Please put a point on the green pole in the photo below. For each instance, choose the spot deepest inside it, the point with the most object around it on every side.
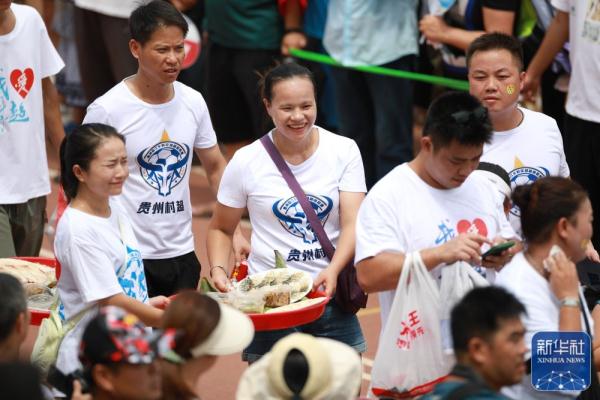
(435, 80)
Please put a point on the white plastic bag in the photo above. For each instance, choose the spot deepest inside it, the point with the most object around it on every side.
(410, 360)
(456, 280)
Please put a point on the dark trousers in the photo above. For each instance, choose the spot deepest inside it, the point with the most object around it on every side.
(22, 228)
(170, 275)
(582, 148)
(103, 51)
(376, 111)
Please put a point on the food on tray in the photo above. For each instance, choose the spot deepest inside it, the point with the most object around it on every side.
(297, 306)
(299, 282)
(277, 299)
(42, 301)
(29, 272)
(32, 289)
(249, 303)
(222, 297)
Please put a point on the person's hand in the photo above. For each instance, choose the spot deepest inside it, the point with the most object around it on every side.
(328, 279)
(499, 261)
(464, 247)
(433, 28)
(292, 40)
(564, 281)
(241, 247)
(77, 395)
(219, 279)
(531, 85)
(159, 302)
(591, 252)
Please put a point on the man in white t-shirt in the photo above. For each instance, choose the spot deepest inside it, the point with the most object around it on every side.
(527, 144)
(433, 204)
(163, 121)
(28, 113)
(577, 21)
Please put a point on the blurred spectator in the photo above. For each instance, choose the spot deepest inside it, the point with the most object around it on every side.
(374, 110)
(306, 32)
(244, 41)
(578, 22)
(301, 366)
(525, 143)
(207, 329)
(29, 109)
(453, 29)
(488, 345)
(556, 217)
(101, 35)
(555, 80)
(119, 357)
(14, 318)
(68, 81)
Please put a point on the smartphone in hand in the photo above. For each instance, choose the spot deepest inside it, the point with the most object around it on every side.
(498, 249)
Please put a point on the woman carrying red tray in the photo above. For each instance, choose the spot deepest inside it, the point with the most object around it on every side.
(329, 169)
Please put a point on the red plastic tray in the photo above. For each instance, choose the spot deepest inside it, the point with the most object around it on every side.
(290, 319)
(38, 315)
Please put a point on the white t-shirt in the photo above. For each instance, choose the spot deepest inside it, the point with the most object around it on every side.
(99, 258)
(278, 223)
(26, 57)
(112, 8)
(543, 308)
(160, 139)
(532, 150)
(584, 39)
(402, 214)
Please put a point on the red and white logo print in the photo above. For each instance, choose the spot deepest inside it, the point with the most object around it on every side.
(22, 81)
(475, 226)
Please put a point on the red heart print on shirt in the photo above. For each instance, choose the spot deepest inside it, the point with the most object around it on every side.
(476, 226)
(22, 81)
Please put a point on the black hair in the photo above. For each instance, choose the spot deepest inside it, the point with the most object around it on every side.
(283, 72)
(495, 169)
(544, 202)
(14, 303)
(497, 41)
(457, 116)
(295, 372)
(79, 148)
(480, 313)
(147, 18)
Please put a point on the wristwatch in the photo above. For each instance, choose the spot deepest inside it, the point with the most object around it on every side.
(570, 302)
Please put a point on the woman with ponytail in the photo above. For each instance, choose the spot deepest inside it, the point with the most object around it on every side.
(95, 245)
(556, 218)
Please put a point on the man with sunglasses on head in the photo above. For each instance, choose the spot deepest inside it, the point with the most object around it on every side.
(433, 204)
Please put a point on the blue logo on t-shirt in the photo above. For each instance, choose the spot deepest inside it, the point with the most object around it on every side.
(133, 279)
(292, 217)
(163, 166)
(560, 361)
